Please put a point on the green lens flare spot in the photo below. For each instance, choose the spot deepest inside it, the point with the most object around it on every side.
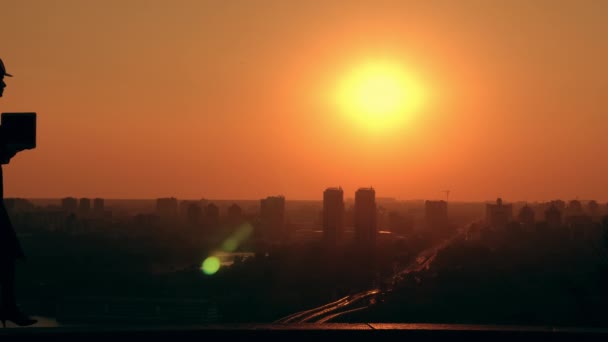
(230, 245)
(243, 232)
(211, 265)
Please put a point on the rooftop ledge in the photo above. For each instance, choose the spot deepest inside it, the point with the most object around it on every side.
(414, 331)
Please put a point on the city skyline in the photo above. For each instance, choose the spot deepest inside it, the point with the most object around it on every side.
(347, 197)
(318, 199)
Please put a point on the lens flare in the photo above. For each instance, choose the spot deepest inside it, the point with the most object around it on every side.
(230, 245)
(211, 265)
(241, 234)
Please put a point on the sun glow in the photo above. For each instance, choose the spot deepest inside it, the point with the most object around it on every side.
(380, 95)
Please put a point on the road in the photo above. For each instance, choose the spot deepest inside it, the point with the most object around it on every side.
(364, 299)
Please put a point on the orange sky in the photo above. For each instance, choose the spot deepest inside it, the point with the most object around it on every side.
(227, 99)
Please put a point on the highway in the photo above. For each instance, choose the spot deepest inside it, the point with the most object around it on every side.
(364, 299)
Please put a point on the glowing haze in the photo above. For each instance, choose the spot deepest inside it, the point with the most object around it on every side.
(244, 99)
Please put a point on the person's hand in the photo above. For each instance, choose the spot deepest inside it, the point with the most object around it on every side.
(9, 151)
(17, 147)
(12, 149)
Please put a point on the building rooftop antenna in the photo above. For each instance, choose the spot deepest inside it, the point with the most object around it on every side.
(447, 195)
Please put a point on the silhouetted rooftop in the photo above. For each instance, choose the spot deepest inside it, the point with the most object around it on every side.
(334, 331)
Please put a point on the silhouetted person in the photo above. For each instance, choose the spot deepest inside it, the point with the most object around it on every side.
(10, 248)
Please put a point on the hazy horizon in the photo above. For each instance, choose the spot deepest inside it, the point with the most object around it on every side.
(346, 198)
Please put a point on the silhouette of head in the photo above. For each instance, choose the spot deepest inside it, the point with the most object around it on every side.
(7, 151)
(2, 74)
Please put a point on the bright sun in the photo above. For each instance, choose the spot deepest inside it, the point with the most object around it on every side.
(379, 95)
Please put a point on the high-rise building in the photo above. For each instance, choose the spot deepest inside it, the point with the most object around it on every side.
(574, 208)
(194, 214)
(575, 205)
(212, 216)
(559, 204)
(553, 216)
(526, 217)
(18, 204)
(183, 207)
(499, 215)
(365, 216)
(84, 206)
(436, 215)
(333, 215)
(166, 207)
(69, 204)
(235, 213)
(98, 205)
(272, 217)
(593, 208)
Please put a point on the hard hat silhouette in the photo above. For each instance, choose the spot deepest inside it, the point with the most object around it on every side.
(3, 70)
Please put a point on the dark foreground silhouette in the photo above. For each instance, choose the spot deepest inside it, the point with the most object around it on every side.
(10, 248)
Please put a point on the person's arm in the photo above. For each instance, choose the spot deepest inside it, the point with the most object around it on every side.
(1, 185)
